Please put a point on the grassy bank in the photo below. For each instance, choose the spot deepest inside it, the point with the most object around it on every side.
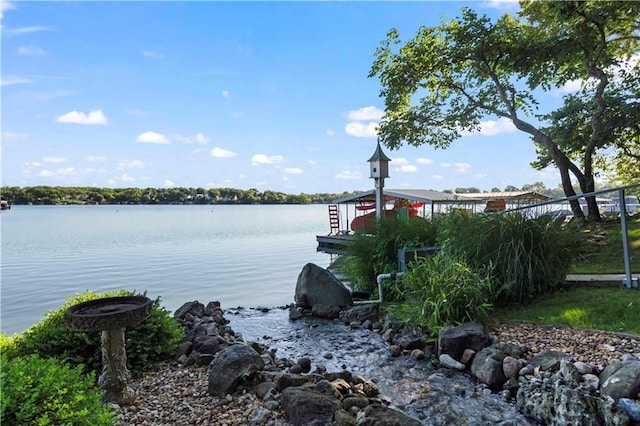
(603, 308)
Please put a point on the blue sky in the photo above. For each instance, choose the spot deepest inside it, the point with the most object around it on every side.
(266, 95)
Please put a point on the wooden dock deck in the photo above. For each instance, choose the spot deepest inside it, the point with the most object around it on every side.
(333, 244)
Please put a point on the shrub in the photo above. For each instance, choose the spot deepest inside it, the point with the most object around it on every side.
(374, 250)
(149, 343)
(531, 256)
(40, 391)
(442, 291)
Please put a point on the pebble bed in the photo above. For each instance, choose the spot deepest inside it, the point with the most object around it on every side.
(176, 395)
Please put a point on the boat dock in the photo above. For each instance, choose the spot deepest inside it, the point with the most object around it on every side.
(333, 244)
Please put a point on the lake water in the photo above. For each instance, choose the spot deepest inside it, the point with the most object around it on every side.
(240, 255)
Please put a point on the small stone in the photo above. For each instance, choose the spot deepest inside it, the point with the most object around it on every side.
(448, 362)
(395, 350)
(417, 354)
(631, 407)
(327, 355)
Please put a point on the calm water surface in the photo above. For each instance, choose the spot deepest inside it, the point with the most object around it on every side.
(241, 255)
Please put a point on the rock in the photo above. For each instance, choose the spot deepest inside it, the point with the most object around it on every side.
(295, 314)
(286, 380)
(195, 309)
(591, 382)
(318, 286)
(556, 400)
(467, 356)
(454, 340)
(510, 367)
(325, 387)
(548, 360)
(359, 313)
(448, 362)
(621, 379)
(325, 311)
(231, 365)
(343, 418)
(295, 369)
(262, 389)
(417, 354)
(631, 407)
(341, 385)
(395, 350)
(260, 416)
(512, 349)
(305, 406)
(583, 368)
(378, 415)
(305, 363)
(487, 366)
(354, 401)
(410, 338)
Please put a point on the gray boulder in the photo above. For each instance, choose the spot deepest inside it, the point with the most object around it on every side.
(232, 364)
(548, 360)
(325, 311)
(360, 313)
(487, 366)
(557, 399)
(306, 406)
(621, 380)
(318, 286)
(454, 340)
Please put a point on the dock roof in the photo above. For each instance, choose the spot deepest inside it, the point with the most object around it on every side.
(430, 196)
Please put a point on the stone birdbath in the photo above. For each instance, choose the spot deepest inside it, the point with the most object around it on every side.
(111, 316)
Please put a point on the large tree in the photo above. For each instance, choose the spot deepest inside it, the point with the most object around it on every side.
(450, 77)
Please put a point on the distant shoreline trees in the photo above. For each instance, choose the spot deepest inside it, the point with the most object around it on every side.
(65, 195)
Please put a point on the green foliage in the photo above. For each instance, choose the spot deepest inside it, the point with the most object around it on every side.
(148, 343)
(441, 291)
(530, 255)
(375, 250)
(38, 391)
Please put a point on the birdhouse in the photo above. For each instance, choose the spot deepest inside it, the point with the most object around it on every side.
(379, 164)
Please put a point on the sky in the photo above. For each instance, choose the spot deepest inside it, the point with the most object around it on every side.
(265, 95)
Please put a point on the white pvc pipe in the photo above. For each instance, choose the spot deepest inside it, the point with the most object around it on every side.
(379, 279)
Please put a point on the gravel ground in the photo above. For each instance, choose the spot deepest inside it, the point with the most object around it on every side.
(178, 395)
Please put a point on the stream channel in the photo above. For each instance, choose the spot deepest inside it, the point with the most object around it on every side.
(420, 389)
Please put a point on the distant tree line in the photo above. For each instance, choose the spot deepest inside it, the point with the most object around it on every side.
(49, 195)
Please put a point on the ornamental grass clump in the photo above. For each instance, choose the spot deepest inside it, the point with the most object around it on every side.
(149, 343)
(41, 391)
(442, 290)
(530, 256)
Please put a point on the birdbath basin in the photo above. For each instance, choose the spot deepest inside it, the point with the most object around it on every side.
(111, 316)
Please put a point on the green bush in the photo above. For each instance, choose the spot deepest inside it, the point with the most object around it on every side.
(38, 391)
(442, 291)
(531, 256)
(149, 343)
(374, 250)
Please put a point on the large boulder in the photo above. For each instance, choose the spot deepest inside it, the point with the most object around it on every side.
(621, 380)
(318, 286)
(557, 398)
(454, 340)
(232, 364)
(305, 406)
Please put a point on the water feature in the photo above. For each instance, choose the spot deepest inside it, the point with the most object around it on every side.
(433, 395)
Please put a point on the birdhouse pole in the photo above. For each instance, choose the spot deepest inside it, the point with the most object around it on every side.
(379, 168)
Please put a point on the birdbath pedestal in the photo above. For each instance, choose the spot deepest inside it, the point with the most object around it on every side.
(111, 316)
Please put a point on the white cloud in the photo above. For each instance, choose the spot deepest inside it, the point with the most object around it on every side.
(169, 183)
(10, 136)
(199, 138)
(126, 178)
(129, 164)
(152, 137)
(361, 130)
(501, 4)
(462, 167)
(330, 132)
(30, 50)
(445, 165)
(222, 153)
(96, 158)
(54, 159)
(348, 175)
(437, 176)
(4, 6)
(47, 173)
(225, 94)
(407, 168)
(25, 30)
(493, 127)
(293, 170)
(66, 171)
(34, 164)
(365, 114)
(95, 117)
(89, 170)
(312, 162)
(266, 159)
(424, 161)
(152, 54)
(10, 80)
(400, 161)
(571, 86)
